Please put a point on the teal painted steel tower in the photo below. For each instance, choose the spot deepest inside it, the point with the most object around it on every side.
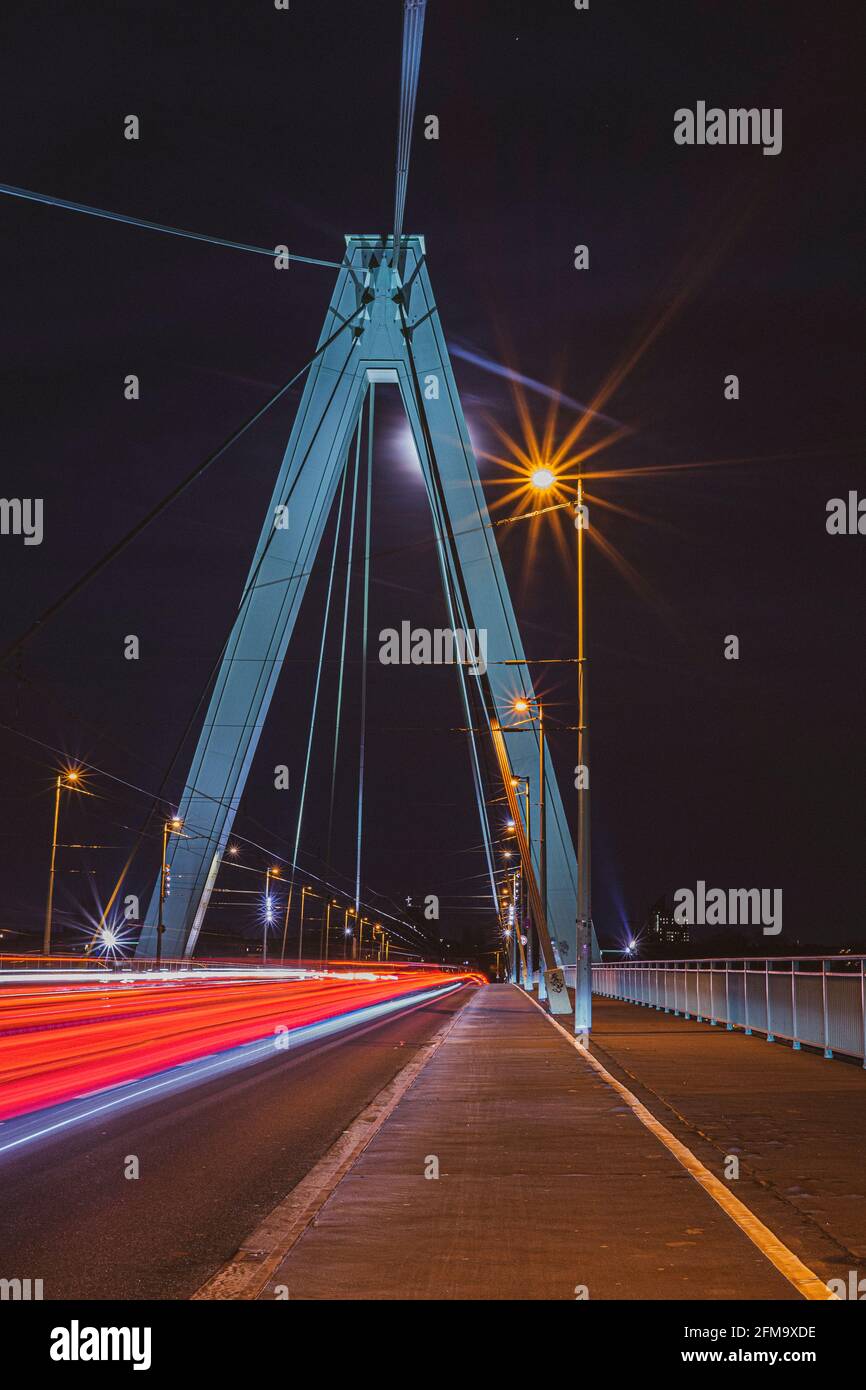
(382, 326)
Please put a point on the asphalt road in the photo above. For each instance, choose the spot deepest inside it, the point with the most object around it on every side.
(213, 1160)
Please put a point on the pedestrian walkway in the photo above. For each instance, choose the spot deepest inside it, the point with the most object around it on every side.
(513, 1168)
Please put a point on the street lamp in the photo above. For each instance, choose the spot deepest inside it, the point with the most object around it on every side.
(347, 932)
(524, 706)
(521, 786)
(324, 956)
(305, 891)
(69, 780)
(172, 826)
(269, 910)
(543, 479)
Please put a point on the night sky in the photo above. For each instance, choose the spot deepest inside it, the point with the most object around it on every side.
(556, 128)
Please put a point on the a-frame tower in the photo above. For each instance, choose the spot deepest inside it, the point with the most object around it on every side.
(383, 325)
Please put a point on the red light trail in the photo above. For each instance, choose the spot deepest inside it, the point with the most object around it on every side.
(60, 1041)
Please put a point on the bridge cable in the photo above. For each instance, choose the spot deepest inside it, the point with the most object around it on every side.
(455, 590)
(413, 35)
(325, 625)
(67, 206)
(364, 646)
(165, 502)
(339, 714)
(250, 586)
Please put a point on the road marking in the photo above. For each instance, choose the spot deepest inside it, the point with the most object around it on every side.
(249, 1271)
(804, 1280)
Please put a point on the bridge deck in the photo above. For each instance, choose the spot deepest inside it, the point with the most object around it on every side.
(547, 1181)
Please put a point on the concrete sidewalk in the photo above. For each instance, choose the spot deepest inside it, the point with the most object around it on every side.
(547, 1182)
(795, 1120)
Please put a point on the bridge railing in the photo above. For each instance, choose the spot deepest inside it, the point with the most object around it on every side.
(813, 1001)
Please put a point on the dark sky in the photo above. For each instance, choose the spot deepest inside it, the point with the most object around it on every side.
(556, 128)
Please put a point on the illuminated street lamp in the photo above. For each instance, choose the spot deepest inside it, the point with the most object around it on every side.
(347, 932)
(542, 479)
(524, 706)
(68, 780)
(305, 892)
(269, 910)
(521, 786)
(172, 826)
(327, 934)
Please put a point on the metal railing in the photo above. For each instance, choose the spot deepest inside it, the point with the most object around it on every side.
(813, 1001)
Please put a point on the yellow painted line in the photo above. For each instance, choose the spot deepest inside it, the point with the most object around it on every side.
(804, 1280)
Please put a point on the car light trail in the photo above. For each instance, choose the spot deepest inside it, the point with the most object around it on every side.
(61, 1041)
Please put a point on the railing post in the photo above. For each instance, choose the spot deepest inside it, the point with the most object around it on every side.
(795, 1023)
(770, 1037)
(729, 1026)
(746, 997)
(827, 1049)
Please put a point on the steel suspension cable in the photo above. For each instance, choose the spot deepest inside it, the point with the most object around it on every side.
(166, 501)
(325, 625)
(339, 715)
(413, 35)
(364, 646)
(68, 206)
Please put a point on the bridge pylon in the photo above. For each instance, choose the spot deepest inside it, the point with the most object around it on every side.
(391, 333)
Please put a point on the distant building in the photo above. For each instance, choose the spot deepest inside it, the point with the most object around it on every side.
(661, 930)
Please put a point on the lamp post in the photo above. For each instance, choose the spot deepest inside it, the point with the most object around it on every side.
(173, 825)
(522, 786)
(68, 780)
(524, 706)
(583, 964)
(361, 936)
(324, 954)
(542, 479)
(269, 910)
(304, 892)
(350, 912)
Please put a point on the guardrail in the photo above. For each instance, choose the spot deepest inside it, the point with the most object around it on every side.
(813, 1001)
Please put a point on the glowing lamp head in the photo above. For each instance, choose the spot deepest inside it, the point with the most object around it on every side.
(72, 776)
(176, 823)
(521, 706)
(542, 479)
